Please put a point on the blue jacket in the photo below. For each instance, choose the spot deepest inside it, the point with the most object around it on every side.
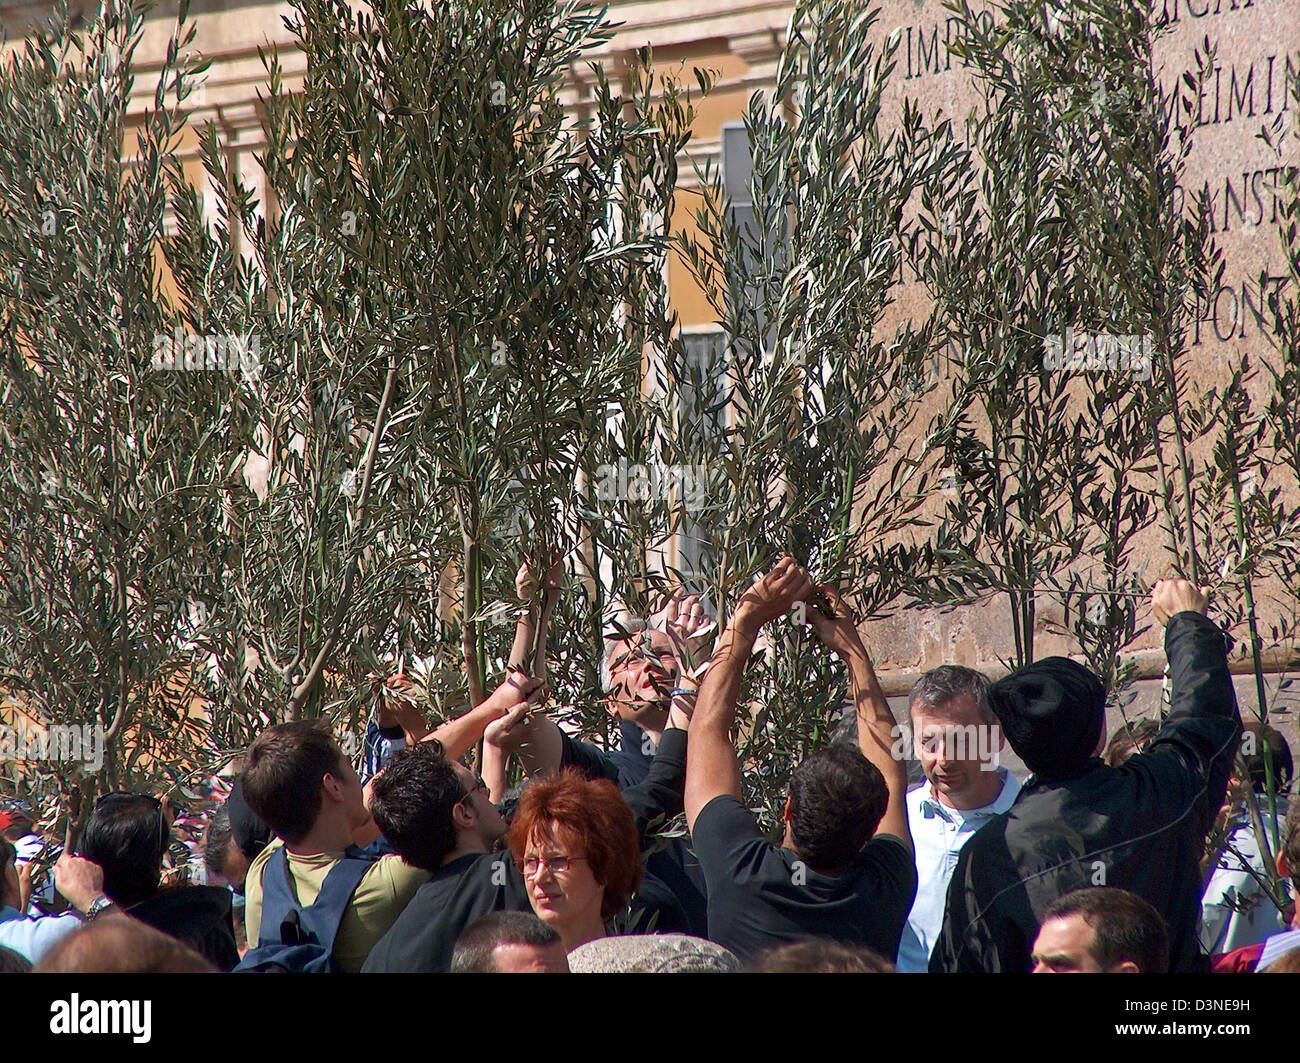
(33, 938)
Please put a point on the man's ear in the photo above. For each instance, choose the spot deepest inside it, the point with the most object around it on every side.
(1283, 865)
(332, 787)
(788, 814)
(462, 815)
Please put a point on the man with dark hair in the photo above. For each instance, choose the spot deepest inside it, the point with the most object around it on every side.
(956, 737)
(299, 782)
(509, 943)
(1101, 930)
(235, 838)
(1078, 822)
(844, 870)
(127, 835)
(438, 815)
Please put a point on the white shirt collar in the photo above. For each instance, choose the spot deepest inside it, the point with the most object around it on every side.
(932, 806)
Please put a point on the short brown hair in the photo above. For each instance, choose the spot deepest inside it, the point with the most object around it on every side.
(1125, 926)
(283, 773)
(822, 956)
(593, 811)
(118, 944)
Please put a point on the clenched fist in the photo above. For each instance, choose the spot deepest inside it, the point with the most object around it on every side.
(1170, 597)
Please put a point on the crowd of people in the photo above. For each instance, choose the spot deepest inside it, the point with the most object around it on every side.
(1143, 853)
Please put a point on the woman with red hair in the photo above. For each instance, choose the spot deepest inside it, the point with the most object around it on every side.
(575, 841)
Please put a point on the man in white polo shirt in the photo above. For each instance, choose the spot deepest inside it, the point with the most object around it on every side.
(956, 737)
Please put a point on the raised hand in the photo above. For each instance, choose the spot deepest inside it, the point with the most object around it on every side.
(840, 632)
(1170, 597)
(689, 629)
(516, 688)
(512, 730)
(527, 584)
(78, 879)
(772, 595)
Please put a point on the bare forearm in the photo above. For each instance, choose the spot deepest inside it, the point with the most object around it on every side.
(458, 736)
(526, 634)
(494, 771)
(876, 724)
(876, 734)
(542, 753)
(523, 641)
(544, 638)
(715, 704)
(712, 767)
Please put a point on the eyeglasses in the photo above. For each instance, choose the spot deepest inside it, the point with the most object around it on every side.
(530, 866)
(480, 785)
(126, 797)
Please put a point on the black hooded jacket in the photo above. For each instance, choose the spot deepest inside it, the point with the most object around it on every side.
(1141, 826)
(199, 916)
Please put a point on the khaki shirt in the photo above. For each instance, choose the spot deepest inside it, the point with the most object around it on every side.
(384, 891)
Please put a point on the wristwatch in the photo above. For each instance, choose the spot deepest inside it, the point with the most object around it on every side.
(97, 907)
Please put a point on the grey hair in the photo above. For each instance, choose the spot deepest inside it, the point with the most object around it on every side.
(632, 625)
(940, 685)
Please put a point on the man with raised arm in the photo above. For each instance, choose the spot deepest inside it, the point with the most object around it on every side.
(844, 869)
(302, 786)
(439, 816)
(647, 673)
(1079, 822)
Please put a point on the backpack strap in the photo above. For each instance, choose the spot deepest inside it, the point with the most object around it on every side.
(286, 920)
(278, 898)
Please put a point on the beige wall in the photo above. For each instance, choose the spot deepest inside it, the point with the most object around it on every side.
(740, 42)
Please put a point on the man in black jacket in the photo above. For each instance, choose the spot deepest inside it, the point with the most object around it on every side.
(127, 835)
(1080, 823)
